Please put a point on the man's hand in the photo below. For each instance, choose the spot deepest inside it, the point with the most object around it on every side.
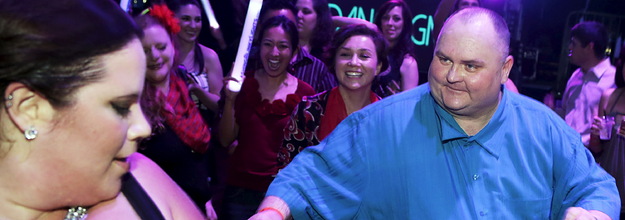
(578, 213)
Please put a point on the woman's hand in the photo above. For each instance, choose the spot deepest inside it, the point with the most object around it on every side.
(230, 95)
(621, 130)
(210, 211)
(597, 125)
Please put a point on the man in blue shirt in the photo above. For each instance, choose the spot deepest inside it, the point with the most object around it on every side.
(460, 147)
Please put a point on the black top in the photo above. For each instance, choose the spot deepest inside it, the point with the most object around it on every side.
(190, 170)
(139, 199)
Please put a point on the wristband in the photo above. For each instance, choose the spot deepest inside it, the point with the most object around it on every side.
(272, 209)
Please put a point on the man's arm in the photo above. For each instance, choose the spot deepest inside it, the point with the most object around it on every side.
(581, 187)
(580, 213)
(272, 208)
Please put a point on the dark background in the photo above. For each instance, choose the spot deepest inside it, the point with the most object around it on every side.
(539, 33)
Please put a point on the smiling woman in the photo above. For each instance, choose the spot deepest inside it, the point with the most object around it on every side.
(181, 137)
(256, 116)
(358, 54)
(71, 117)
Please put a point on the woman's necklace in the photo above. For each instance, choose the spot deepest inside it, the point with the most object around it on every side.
(76, 213)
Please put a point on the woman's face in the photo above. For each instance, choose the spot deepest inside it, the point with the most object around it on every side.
(306, 18)
(159, 53)
(190, 19)
(356, 63)
(462, 4)
(81, 158)
(275, 51)
(392, 24)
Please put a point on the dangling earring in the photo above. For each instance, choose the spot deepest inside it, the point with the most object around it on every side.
(30, 133)
(8, 102)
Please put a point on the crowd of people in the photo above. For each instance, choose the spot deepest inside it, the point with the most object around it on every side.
(115, 114)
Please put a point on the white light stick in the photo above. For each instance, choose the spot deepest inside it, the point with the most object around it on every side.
(251, 19)
(124, 4)
(208, 10)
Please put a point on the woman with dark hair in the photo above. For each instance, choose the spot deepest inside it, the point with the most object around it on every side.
(394, 20)
(358, 55)
(612, 151)
(180, 136)
(71, 117)
(256, 116)
(314, 23)
(446, 8)
(201, 63)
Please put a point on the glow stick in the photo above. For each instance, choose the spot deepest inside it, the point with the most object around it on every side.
(251, 19)
(208, 10)
(124, 4)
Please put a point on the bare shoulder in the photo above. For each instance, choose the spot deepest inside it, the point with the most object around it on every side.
(208, 52)
(168, 197)
(409, 60)
(609, 96)
(409, 65)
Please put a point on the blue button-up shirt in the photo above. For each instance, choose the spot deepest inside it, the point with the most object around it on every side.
(406, 158)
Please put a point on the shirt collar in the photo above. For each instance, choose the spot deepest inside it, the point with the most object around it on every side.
(303, 57)
(490, 138)
(601, 68)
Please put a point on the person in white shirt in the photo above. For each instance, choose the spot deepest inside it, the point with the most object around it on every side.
(595, 75)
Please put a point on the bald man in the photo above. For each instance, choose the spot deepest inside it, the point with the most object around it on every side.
(460, 147)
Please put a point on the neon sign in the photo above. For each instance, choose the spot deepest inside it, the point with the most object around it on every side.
(422, 23)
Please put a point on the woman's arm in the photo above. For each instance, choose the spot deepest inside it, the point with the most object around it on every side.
(228, 128)
(409, 73)
(595, 145)
(340, 21)
(212, 67)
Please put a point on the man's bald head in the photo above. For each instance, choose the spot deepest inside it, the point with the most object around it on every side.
(479, 18)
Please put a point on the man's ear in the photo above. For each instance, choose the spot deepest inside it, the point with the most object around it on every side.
(590, 46)
(506, 68)
(27, 108)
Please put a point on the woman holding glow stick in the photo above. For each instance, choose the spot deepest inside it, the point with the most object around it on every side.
(256, 116)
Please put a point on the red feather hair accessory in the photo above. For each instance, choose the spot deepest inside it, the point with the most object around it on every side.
(166, 17)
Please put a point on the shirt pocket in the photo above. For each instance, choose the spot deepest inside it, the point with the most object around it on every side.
(523, 208)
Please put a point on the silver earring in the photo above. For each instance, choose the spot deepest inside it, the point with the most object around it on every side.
(8, 101)
(30, 133)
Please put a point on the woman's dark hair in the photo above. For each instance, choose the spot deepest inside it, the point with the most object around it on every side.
(283, 22)
(619, 63)
(54, 47)
(404, 43)
(381, 45)
(457, 5)
(175, 5)
(271, 5)
(319, 42)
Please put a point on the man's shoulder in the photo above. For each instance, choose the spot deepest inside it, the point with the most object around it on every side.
(403, 103)
(522, 102)
(531, 110)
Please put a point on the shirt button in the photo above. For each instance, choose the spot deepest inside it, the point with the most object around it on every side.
(475, 177)
(482, 213)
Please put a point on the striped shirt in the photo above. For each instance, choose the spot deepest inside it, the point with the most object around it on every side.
(313, 71)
